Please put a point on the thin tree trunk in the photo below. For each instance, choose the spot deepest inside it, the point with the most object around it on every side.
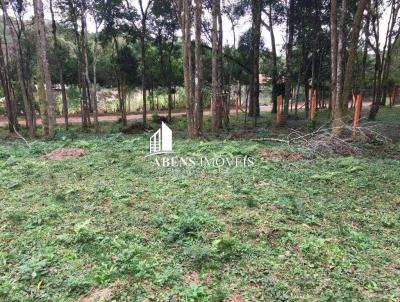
(10, 102)
(59, 68)
(297, 92)
(94, 97)
(185, 20)
(365, 51)
(18, 57)
(221, 75)
(340, 53)
(289, 54)
(85, 48)
(170, 100)
(274, 62)
(256, 36)
(336, 112)
(216, 97)
(198, 102)
(143, 55)
(144, 11)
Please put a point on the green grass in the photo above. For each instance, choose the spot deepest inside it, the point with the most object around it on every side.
(320, 230)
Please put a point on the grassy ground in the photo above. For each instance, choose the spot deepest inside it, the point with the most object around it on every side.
(112, 224)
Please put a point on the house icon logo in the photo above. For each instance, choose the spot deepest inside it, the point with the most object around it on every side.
(161, 141)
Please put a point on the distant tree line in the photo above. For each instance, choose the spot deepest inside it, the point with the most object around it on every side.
(158, 43)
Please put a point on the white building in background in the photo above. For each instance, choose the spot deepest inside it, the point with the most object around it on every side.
(161, 141)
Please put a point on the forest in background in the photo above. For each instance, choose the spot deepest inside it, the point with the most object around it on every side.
(174, 51)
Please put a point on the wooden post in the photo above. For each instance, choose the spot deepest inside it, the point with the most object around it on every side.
(313, 105)
(392, 95)
(356, 114)
(278, 110)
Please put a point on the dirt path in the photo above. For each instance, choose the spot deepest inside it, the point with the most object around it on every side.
(76, 119)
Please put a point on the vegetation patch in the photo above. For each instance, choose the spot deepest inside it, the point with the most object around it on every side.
(112, 225)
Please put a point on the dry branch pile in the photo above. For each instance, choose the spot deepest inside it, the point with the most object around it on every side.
(322, 142)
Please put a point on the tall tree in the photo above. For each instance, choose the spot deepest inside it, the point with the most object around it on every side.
(57, 51)
(341, 51)
(167, 25)
(43, 63)
(198, 100)
(355, 32)
(8, 95)
(382, 56)
(340, 95)
(85, 55)
(336, 110)
(97, 24)
(192, 106)
(17, 50)
(144, 16)
(216, 102)
(274, 72)
(254, 103)
(221, 74)
(289, 56)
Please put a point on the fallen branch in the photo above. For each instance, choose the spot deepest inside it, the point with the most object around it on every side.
(21, 137)
(271, 139)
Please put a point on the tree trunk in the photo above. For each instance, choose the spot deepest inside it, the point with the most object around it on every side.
(185, 21)
(94, 97)
(365, 51)
(170, 100)
(381, 76)
(85, 48)
(289, 54)
(348, 79)
(120, 85)
(59, 68)
(274, 62)
(215, 93)
(20, 73)
(143, 52)
(10, 102)
(336, 112)
(254, 109)
(43, 64)
(297, 92)
(198, 102)
(340, 52)
(221, 75)
(43, 105)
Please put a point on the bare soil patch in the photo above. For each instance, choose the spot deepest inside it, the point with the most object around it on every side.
(64, 153)
(277, 154)
(98, 295)
(235, 298)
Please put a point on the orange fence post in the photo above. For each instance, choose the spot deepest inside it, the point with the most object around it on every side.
(278, 110)
(313, 105)
(356, 114)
